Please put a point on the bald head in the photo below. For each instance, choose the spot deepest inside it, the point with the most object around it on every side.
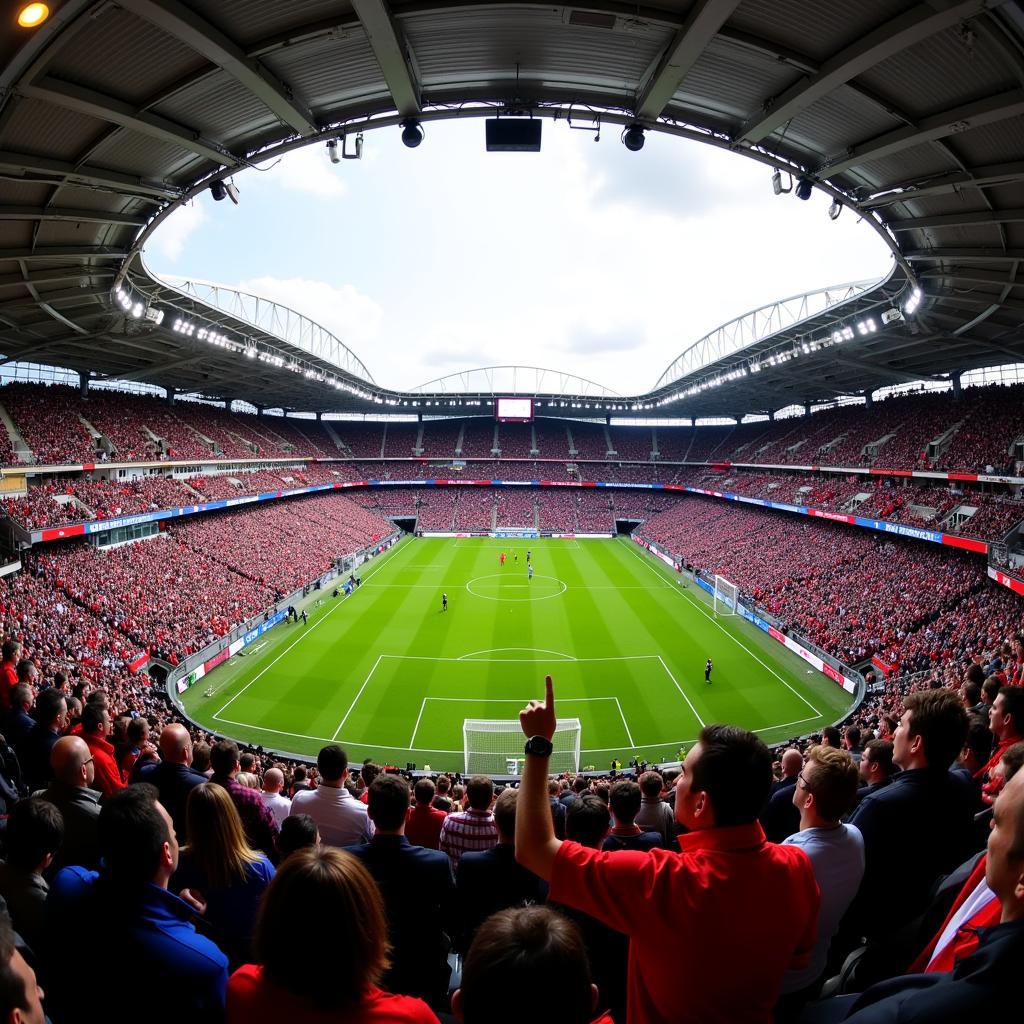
(71, 761)
(792, 762)
(176, 744)
(273, 780)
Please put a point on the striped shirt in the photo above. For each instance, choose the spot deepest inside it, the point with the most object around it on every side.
(466, 832)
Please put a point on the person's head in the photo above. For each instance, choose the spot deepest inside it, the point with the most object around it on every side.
(554, 788)
(444, 784)
(273, 780)
(138, 731)
(175, 744)
(216, 836)
(480, 791)
(27, 671)
(224, 758)
(20, 994)
(1011, 762)
(201, 753)
(332, 763)
(975, 676)
(299, 775)
(246, 761)
(831, 737)
(887, 727)
(792, 763)
(826, 788)
(1004, 866)
(876, 762)
(35, 830)
(388, 802)
(298, 832)
(328, 898)
(932, 730)
(1006, 717)
(587, 820)
(51, 710)
(71, 762)
(505, 815)
(977, 748)
(136, 838)
(517, 954)
(424, 791)
(95, 721)
(21, 696)
(624, 800)
(368, 771)
(12, 650)
(970, 693)
(990, 690)
(580, 785)
(651, 785)
(725, 779)
(851, 738)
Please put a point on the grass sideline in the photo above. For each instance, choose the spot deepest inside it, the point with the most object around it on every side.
(391, 676)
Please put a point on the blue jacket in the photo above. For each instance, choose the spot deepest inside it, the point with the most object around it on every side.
(143, 938)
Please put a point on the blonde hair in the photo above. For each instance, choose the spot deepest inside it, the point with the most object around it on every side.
(216, 838)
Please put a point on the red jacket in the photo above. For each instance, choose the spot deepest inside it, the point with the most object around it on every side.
(423, 826)
(108, 776)
(1001, 748)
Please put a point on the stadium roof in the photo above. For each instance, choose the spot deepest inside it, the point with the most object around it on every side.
(910, 114)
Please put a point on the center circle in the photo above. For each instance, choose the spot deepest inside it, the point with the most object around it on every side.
(540, 588)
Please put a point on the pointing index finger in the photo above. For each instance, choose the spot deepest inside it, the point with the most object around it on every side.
(549, 694)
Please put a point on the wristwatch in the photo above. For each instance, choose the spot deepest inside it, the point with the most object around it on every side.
(538, 746)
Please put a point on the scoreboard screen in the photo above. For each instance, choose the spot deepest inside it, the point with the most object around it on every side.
(513, 410)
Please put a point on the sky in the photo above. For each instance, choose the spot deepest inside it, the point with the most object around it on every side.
(585, 258)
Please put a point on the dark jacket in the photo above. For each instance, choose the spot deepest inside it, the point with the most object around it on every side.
(491, 880)
(174, 782)
(34, 754)
(419, 901)
(80, 809)
(780, 819)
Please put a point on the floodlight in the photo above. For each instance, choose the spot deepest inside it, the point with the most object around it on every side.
(33, 15)
(218, 191)
(232, 192)
(633, 138)
(412, 132)
(332, 151)
(804, 188)
(777, 183)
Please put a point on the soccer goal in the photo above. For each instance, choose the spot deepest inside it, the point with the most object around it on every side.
(492, 746)
(727, 597)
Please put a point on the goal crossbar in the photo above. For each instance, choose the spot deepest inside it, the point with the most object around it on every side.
(494, 746)
(726, 597)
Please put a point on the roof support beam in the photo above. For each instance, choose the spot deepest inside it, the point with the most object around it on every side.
(952, 220)
(938, 126)
(115, 111)
(179, 21)
(150, 372)
(392, 52)
(886, 41)
(23, 165)
(956, 181)
(74, 216)
(690, 41)
(883, 371)
(58, 252)
(52, 276)
(981, 255)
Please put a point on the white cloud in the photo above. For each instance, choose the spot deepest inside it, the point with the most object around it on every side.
(168, 241)
(307, 170)
(352, 317)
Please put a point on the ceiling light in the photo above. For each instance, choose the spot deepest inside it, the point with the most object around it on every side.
(804, 188)
(33, 15)
(633, 138)
(332, 151)
(412, 133)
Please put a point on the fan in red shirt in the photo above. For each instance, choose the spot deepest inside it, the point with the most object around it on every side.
(1006, 720)
(727, 898)
(9, 671)
(423, 824)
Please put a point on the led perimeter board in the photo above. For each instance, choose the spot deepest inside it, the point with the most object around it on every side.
(513, 410)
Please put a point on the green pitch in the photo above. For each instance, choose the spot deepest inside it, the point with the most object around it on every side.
(391, 676)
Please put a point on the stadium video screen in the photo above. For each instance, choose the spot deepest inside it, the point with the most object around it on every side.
(513, 410)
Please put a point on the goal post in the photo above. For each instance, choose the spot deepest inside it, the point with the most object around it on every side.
(726, 597)
(491, 746)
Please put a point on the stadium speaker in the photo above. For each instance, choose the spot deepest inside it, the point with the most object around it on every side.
(513, 135)
(218, 191)
(633, 138)
(412, 133)
(804, 188)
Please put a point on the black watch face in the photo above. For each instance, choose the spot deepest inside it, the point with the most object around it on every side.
(538, 745)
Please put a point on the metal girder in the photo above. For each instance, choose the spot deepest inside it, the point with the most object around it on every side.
(691, 39)
(115, 111)
(392, 53)
(985, 255)
(152, 371)
(179, 21)
(879, 370)
(951, 220)
(74, 216)
(973, 275)
(29, 302)
(929, 129)
(20, 163)
(868, 51)
(954, 181)
(52, 276)
(56, 252)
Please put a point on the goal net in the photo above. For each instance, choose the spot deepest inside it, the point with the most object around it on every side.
(727, 597)
(495, 746)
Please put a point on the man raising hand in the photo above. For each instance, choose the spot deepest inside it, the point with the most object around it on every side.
(731, 911)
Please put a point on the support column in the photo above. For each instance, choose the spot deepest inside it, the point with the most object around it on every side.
(958, 387)
(869, 401)
(83, 384)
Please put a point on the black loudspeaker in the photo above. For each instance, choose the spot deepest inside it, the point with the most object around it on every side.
(513, 135)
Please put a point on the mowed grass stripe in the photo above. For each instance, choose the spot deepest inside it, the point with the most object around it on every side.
(617, 604)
